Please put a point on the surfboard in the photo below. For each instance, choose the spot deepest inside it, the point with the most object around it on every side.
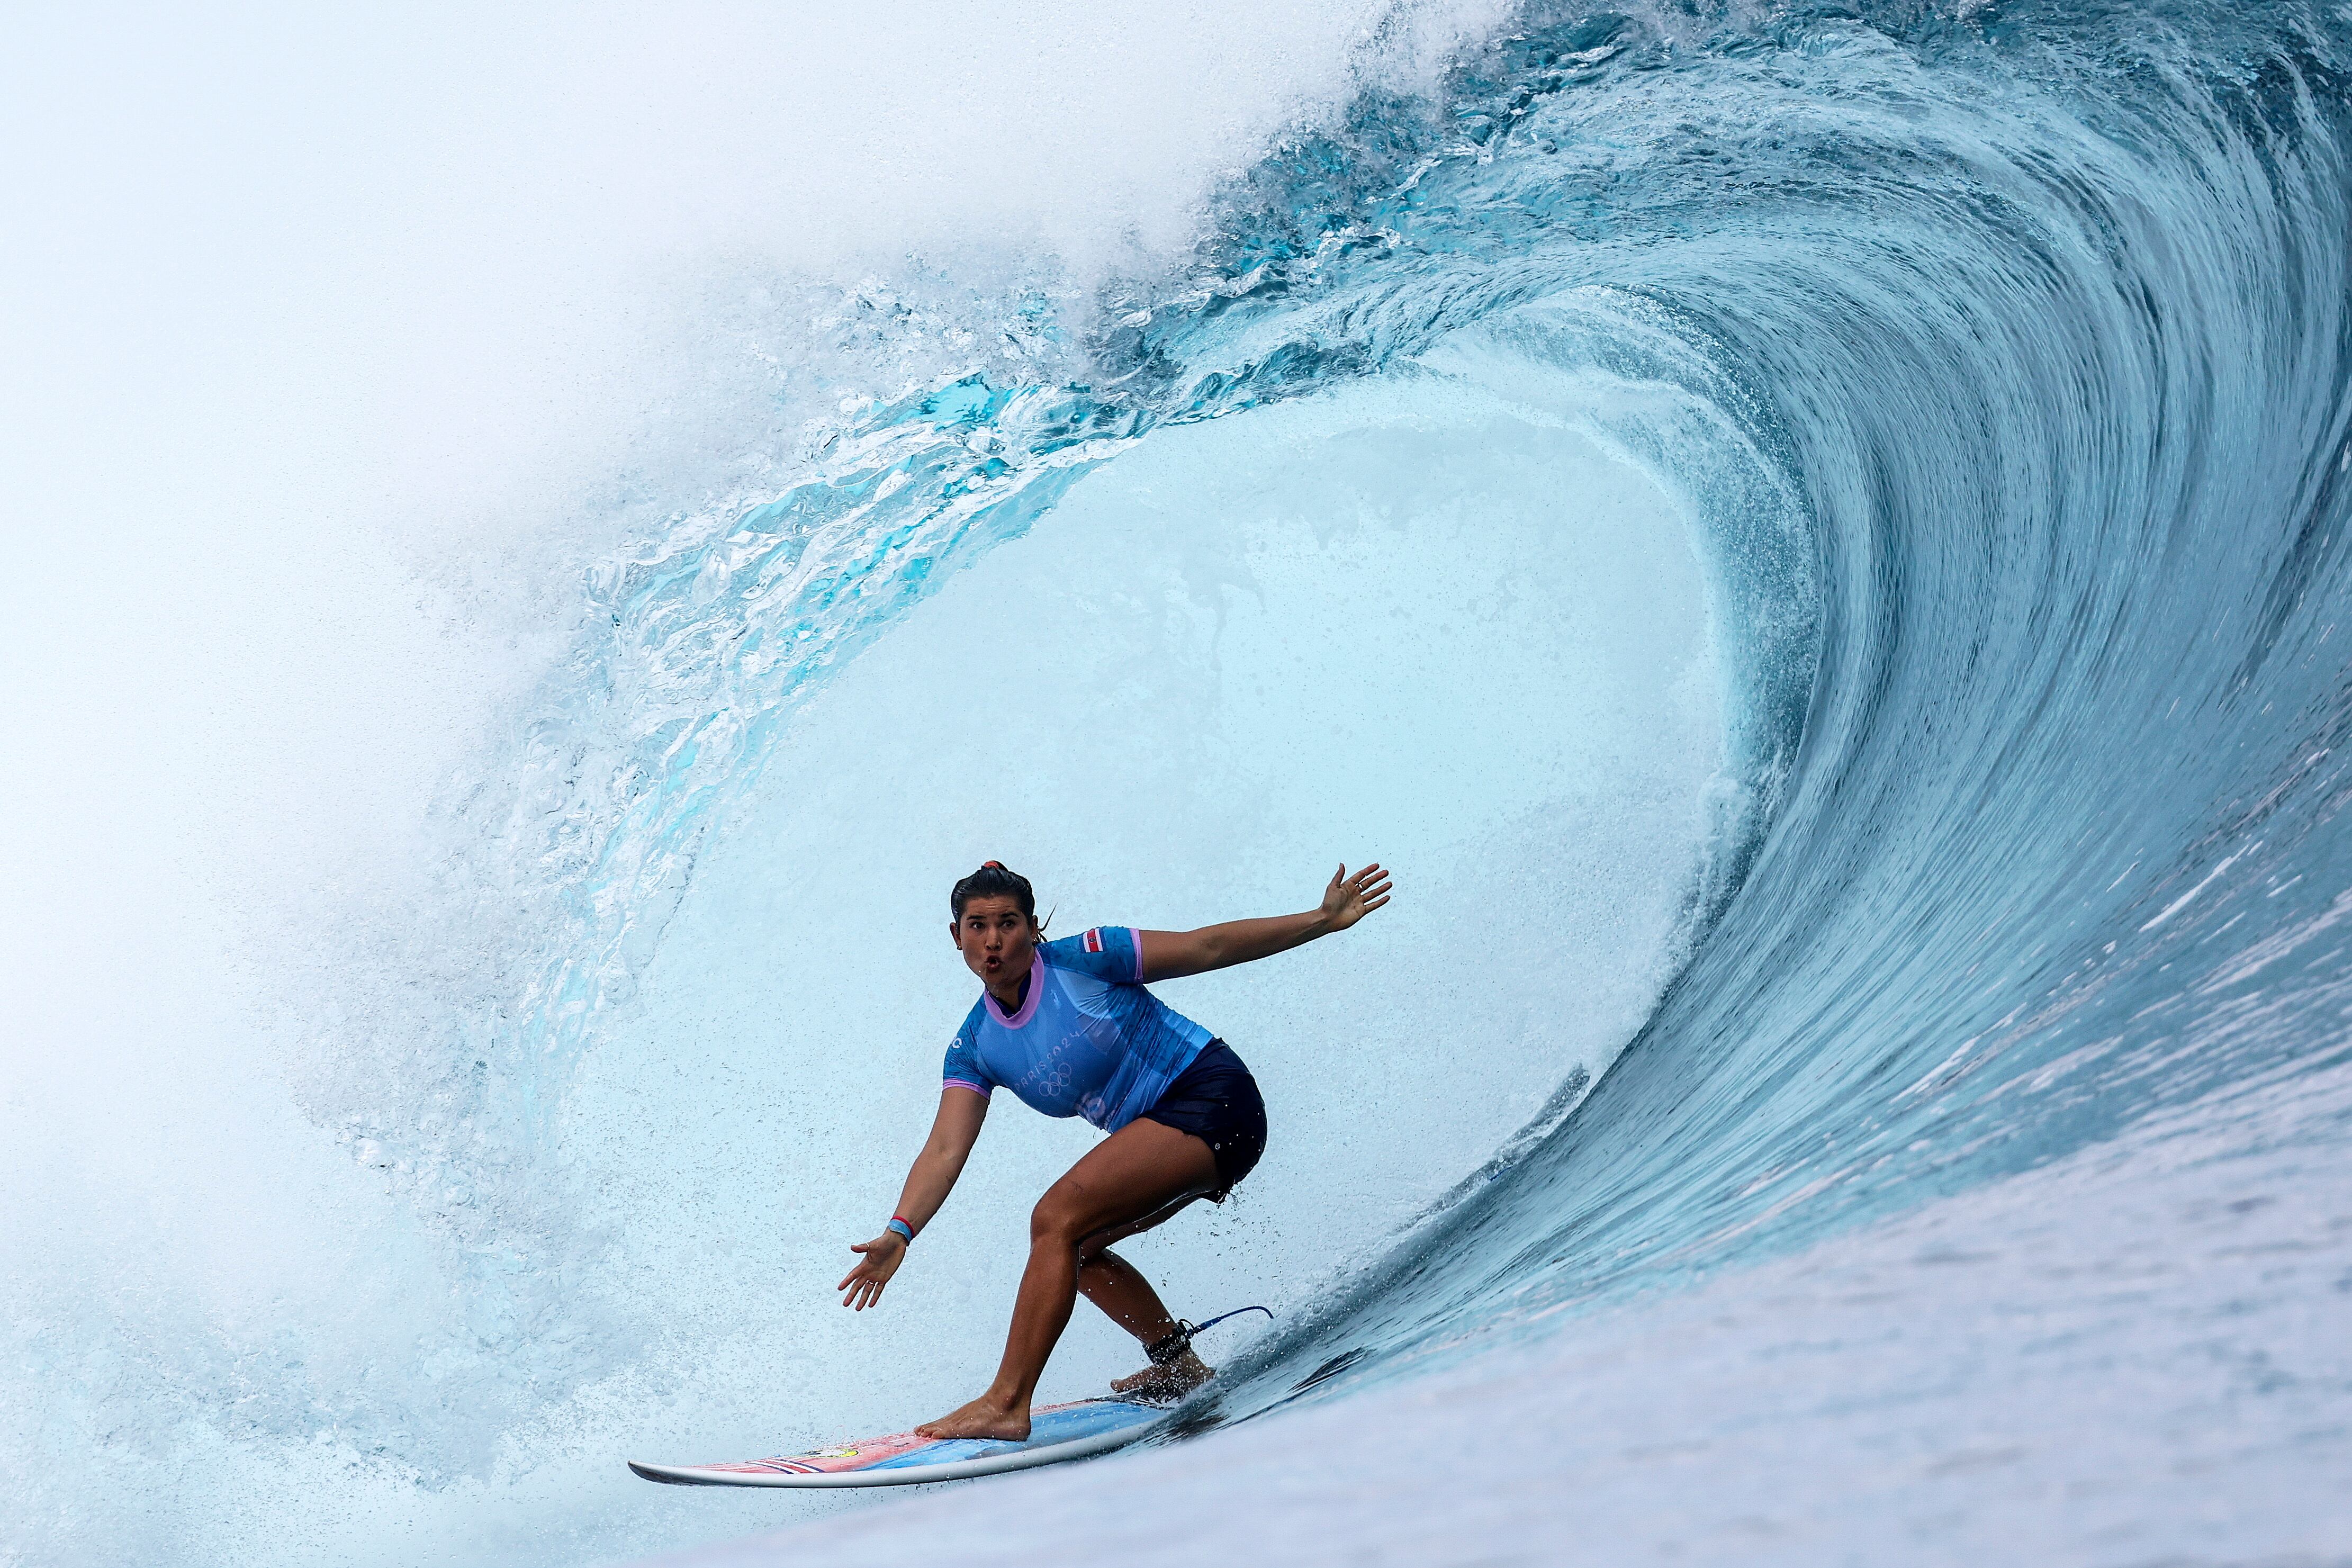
(1057, 1433)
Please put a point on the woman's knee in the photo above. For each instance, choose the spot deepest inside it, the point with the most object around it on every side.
(1057, 1218)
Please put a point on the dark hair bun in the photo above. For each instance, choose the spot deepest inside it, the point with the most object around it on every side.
(993, 881)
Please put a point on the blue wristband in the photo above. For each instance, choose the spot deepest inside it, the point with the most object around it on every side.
(906, 1231)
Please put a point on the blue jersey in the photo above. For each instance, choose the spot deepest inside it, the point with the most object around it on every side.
(1088, 1041)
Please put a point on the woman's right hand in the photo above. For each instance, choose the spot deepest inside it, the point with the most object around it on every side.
(864, 1283)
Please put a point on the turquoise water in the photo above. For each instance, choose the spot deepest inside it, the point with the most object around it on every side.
(1812, 537)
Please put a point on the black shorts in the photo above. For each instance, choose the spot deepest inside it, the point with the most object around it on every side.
(1216, 1100)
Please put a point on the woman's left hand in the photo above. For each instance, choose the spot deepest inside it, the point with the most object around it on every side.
(1349, 899)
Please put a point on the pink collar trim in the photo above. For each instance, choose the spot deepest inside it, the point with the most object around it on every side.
(1028, 1004)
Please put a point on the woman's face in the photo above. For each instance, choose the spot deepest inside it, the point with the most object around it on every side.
(995, 938)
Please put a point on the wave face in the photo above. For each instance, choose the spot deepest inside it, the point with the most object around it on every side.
(1946, 416)
(2043, 317)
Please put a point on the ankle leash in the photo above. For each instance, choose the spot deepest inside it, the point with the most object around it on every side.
(1171, 1346)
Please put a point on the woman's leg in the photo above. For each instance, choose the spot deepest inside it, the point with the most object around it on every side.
(1116, 1286)
(1124, 1295)
(1127, 1299)
(1138, 1171)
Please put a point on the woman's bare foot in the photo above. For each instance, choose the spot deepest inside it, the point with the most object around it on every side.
(1168, 1384)
(983, 1417)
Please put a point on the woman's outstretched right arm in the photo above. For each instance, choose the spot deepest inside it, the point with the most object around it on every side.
(953, 1132)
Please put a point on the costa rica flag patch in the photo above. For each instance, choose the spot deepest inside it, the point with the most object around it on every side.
(1093, 940)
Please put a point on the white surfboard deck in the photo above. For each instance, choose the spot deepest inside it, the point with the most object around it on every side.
(1057, 1433)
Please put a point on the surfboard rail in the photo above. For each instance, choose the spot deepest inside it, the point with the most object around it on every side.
(1058, 1434)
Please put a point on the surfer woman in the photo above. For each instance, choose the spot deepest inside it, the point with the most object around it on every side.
(1068, 1026)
